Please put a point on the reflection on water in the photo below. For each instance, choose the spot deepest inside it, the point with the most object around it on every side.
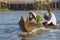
(9, 27)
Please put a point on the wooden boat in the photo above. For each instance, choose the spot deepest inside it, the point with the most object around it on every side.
(27, 26)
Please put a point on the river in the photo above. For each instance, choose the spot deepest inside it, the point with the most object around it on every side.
(9, 27)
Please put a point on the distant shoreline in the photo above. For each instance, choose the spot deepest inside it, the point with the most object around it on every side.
(6, 9)
(23, 10)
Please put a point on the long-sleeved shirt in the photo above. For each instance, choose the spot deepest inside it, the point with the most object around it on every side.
(52, 19)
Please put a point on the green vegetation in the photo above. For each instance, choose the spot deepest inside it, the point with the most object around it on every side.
(39, 19)
(4, 9)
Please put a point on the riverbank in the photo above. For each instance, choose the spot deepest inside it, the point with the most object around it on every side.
(25, 10)
(4, 9)
(7, 10)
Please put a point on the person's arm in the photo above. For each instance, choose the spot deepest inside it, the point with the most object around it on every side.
(50, 20)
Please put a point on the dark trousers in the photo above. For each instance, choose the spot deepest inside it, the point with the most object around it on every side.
(51, 24)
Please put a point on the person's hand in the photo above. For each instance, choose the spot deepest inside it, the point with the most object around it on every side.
(46, 24)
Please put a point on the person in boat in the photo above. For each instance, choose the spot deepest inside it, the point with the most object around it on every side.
(50, 18)
(32, 17)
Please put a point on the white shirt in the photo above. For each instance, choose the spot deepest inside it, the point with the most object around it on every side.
(52, 19)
